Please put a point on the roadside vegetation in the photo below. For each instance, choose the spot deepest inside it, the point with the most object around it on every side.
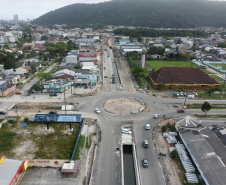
(80, 145)
(6, 138)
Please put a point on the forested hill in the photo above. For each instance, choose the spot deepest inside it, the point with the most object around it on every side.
(145, 13)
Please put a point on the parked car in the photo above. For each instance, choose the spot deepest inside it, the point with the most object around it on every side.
(53, 112)
(145, 143)
(86, 87)
(33, 91)
(2, 113)
(53, 94)
(97, 111)
(156, 116)
(147, 127)
(18, 92)
(181, 93)
(126, 131)
(180, 111)
(145, 163)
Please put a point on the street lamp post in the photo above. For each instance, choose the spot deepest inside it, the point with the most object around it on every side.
(64, 99)
(223, 87)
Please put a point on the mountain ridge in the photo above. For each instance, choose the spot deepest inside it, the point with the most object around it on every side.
(145, 13)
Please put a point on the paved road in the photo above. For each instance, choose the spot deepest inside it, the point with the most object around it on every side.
(107, 168)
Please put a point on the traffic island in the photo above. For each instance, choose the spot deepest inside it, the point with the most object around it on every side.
(123, 106)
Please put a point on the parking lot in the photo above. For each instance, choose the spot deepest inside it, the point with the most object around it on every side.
(44, 176)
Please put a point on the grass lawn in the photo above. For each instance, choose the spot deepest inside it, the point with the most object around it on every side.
(157, 64)
(57, 145)
(6, 139)
(223, 65)
(81, 143)
(213, 106)
(212, 97)
(216, 78)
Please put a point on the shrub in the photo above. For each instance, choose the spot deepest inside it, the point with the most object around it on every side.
(26, 120)
(164, 128)
(174, 154)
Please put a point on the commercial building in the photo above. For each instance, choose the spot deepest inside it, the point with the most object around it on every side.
(206, 147)
(181, 77)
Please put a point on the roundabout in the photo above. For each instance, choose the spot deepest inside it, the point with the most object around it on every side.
(123, 106)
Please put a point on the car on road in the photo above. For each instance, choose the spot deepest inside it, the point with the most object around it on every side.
(105, 76)
(53, 94)
(180, 111)
(126, 131)
(86, 87)
(147, 127)
(2, 113)
(145, 163)
(18, 92)
(97, 110)
(145, 144)
(53, 112)
(156, 116)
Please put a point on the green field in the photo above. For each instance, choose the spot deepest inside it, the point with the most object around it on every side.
(222, 65)
(216, 78)
(157, 64)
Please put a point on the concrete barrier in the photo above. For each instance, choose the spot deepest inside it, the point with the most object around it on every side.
(122, 166)
(136, 166)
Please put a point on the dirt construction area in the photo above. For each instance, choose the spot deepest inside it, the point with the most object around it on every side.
(169, 169)
(122, 106)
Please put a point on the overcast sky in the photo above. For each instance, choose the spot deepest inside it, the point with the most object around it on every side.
(30, 9)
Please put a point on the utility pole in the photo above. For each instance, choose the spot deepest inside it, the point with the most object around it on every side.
(71, 88)
(91, 88)
(88, 132)
(7, 115)
(223, 87)
(64, 99)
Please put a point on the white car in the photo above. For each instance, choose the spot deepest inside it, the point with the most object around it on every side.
(126, 131)
(147, 127)
(97, 111)
(156, 116)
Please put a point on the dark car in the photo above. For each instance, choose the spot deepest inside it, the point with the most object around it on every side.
(53, 94)
(145, 163)
(2, 113)
(53, 112)
(86, 87)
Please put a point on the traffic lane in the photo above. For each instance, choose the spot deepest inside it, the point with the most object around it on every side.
(151, 175)
(107, 161)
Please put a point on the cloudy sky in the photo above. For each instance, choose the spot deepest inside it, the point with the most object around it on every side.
(30, 9)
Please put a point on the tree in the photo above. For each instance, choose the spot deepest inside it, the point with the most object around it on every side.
(44, 37)
(205, 107)
(46, 76)
(209, 91)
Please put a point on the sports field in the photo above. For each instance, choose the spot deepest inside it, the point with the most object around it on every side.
(157, 64)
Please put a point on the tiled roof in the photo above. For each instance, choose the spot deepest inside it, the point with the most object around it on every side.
(181, 75)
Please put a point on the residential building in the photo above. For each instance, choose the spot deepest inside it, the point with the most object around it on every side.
(64, 74)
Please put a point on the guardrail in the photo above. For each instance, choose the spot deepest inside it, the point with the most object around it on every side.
(72, 157)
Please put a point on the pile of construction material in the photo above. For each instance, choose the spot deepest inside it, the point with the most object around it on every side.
(187, 164)
(170, 137)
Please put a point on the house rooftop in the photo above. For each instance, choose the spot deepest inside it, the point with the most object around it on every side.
(181, 75)
(204, 150)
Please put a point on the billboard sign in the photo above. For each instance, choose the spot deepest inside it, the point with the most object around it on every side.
(58, 118)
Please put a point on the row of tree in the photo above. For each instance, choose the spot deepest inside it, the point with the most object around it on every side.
(144, 32)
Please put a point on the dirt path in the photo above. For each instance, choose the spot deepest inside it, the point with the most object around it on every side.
(167, 165)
